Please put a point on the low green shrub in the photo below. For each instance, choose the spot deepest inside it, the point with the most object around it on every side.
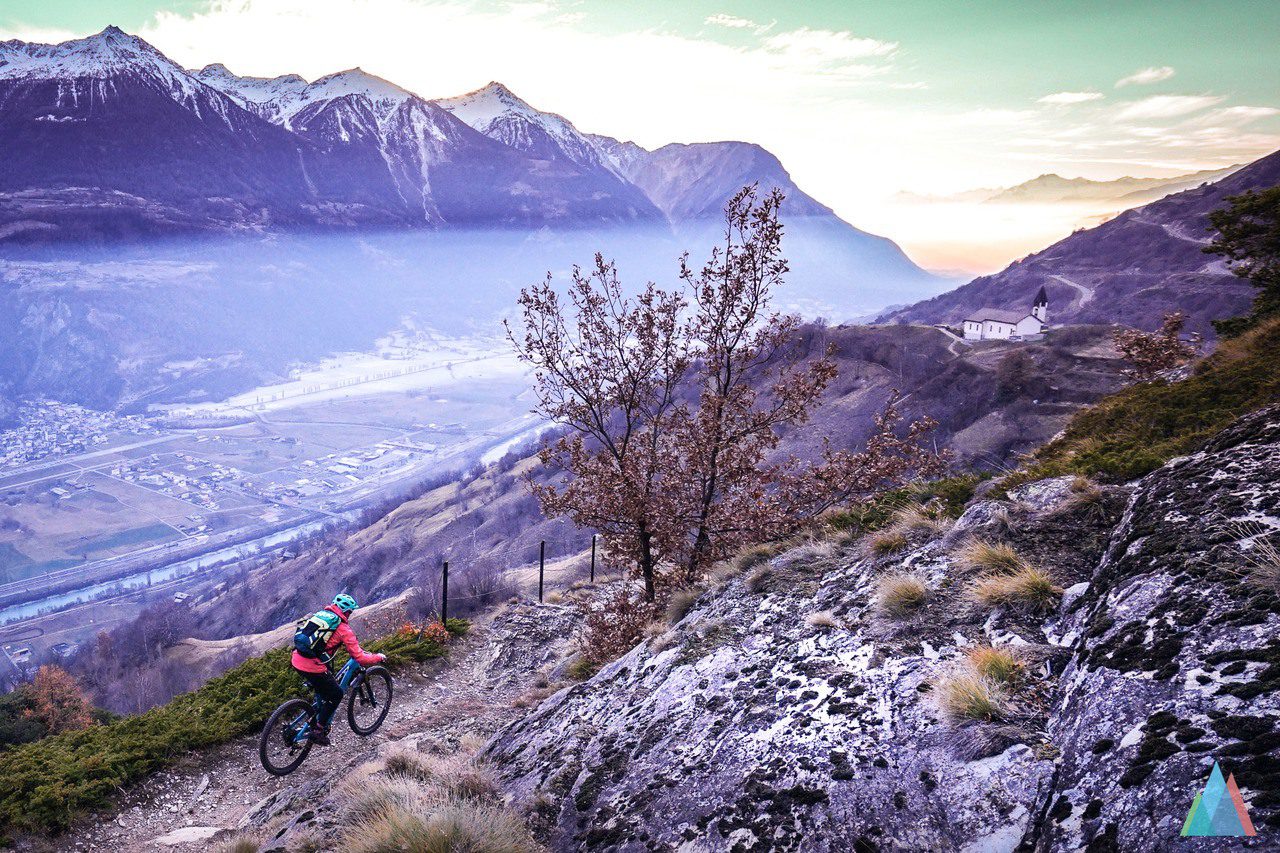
(949, 495)
(49, 783)
(1136, 430)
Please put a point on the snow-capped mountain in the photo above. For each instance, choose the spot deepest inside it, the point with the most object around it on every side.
(500, 114)
(280, 99)
(104, 137)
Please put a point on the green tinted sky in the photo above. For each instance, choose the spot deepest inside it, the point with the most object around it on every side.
(859, 99)
(973, 50)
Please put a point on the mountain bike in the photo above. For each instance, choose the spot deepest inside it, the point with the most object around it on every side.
(285, 740)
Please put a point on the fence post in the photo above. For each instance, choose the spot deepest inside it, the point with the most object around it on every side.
(542, 566)
(444, 594)
(593, 558)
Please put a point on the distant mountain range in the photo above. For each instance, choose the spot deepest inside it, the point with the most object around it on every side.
(1131, 270)
(1051, 188)
(105, 138)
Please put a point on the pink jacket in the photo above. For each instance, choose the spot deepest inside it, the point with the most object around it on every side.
(344, 636)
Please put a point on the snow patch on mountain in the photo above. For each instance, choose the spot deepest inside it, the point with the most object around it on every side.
(281, 99)
(500, 114)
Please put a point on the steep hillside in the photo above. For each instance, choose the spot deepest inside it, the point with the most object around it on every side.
(801, 706)
(993, 402)
(1131, 270)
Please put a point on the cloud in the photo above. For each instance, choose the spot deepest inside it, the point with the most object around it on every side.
(1065, 98)
(733, 22)
(826, 47)
(1146, 76)
(1166, 106)
(1243, 114)
(37, 35)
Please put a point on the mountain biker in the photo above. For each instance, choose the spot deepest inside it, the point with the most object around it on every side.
(316, 672)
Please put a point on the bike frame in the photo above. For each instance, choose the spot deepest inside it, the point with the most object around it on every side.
(345, 677)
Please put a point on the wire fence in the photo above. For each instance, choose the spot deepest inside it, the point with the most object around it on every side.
(565, 568)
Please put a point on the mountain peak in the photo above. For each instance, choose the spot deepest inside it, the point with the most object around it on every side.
(104, 54)
(356, 81)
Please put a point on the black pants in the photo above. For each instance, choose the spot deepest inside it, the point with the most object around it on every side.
(326, 687)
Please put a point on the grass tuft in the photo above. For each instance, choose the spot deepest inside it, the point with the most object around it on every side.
(437, 826)
(680, 603)
(452, 776)
(1028, 588)
(1261, 555)
(240, 844)
(901, 593)
(581, 668)
(822, 619)
(889, 541)
(985, 556)
(964, 696)
(1002, 666)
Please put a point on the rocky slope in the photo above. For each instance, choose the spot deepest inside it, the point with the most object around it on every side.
(755, 724)
(1132, 270)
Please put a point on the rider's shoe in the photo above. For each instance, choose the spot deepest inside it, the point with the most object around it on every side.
(319, 736)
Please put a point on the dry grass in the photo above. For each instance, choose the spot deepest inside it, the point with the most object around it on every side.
(1002, 666)
(986, 556)
(1087, 498)
(921, 522)
(680, 603)
(807, 554)
(439, 826)
(452, 776)
(1027, 588)
(901, 593)
(965, 696)
(822, 619)
(1261, 556)
(240, 844)
(581, 669)
(554, 598)
(756, 555)
(887, 541)
(758, 578)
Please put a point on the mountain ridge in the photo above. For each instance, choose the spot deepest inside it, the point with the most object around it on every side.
(1133, 269)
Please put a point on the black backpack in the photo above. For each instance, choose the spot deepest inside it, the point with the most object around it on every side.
(313, 634)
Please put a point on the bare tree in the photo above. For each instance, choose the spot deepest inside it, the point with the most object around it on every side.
(676, 406)
(608, 367)
(1150, 353)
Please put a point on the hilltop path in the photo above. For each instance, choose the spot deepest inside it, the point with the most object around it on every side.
(468, 696)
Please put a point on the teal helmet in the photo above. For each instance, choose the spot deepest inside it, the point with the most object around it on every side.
(345, 603)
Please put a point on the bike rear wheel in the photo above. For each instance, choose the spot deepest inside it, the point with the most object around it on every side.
(370, 700)
(280, 747)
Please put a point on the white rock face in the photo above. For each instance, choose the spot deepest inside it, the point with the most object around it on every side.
(187, 835)
(748, 729)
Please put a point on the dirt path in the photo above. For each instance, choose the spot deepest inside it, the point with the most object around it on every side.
(438, 705)
(1086, 293)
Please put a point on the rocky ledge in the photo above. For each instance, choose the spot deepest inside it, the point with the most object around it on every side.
(790, 710)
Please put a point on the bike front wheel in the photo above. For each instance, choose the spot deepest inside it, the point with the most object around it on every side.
(370, 700)
(284, 744)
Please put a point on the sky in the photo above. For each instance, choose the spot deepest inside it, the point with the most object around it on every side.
(860, 100)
